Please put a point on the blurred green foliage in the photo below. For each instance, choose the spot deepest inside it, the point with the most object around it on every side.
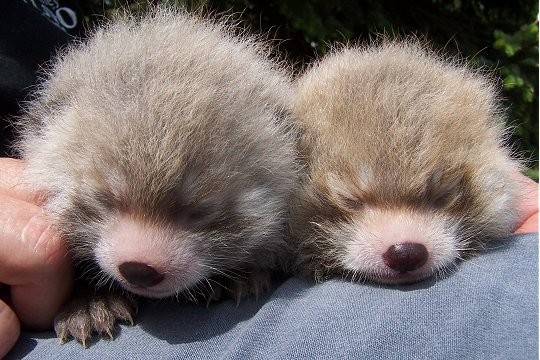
(519, 70)
(498, 35)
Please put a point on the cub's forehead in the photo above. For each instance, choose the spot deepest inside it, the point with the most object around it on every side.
(393, 182)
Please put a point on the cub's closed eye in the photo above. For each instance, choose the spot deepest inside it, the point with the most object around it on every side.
(441, 200)
(190, 214)
(443, 192)
(351, 203)
(110, 201)
(444, 198)
(196, 214)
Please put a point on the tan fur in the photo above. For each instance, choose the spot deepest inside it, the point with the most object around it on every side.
(394, 128)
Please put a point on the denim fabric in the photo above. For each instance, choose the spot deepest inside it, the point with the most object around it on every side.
(486, 309)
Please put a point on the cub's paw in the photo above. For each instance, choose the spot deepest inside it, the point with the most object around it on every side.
(248, 284)
(98, 313)
(253, 284)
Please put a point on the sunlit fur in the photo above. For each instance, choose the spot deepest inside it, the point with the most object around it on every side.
(178, 127)
(400, 145)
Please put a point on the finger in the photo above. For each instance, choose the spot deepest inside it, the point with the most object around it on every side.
(9, 329)
(528, 205)
(33, 262)
(36, 304)
(11, 181)
(21, 225)
(529, 226)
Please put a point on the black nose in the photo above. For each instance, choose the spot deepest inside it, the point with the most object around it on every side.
(140, 274)
(406, 256)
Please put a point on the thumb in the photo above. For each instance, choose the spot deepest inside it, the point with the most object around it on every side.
(10, 328)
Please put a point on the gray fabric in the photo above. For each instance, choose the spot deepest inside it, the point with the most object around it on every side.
(487, 309)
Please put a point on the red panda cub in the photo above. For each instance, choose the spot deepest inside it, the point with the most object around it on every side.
(165, 151)
(406, 167)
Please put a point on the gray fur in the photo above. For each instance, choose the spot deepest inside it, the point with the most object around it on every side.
(165, 118)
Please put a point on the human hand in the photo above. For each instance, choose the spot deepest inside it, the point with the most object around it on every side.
(528, 222)
(33, 260)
